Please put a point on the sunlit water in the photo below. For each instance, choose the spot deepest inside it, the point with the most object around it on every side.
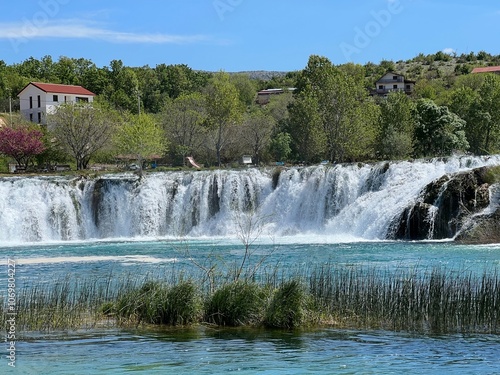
(204, 350)
(222, 352)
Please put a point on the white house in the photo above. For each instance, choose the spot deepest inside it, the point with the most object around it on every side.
(390, 82)
(39, 99)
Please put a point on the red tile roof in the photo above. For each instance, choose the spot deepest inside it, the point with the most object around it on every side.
(62, 89)
(489, 69)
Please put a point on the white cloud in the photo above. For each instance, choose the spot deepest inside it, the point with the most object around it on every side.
(449, 51)
(76, 29)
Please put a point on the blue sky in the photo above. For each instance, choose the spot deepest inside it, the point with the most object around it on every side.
(239, 35)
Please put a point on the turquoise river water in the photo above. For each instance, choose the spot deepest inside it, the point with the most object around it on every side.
(207, 350)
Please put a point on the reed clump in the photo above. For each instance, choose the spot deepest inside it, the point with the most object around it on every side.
(435, 300)
(159, 303)
(289, 306)
(239, 303)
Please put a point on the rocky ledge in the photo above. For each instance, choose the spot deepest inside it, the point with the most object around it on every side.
(456, 206)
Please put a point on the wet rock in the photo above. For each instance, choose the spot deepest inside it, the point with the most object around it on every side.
(483, 229)
(413, 223)
(443, 207)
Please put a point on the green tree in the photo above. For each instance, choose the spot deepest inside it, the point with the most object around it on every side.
(65, 70)
(478, 103)
(344, 110)
(47, 70)
(473, 81)
(246, 87)
(151, 96)
(490, 105)
(306, 128)
(82, 129)
(175, 80)
(278, 108)
(280, 146)
(428, 89)
(31, 68)
(140, 136)
(387, 65)
(466, 103)
(123, 91)
(223, 109)
(437, 130)
(395, 126)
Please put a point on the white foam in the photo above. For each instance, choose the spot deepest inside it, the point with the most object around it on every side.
(340, 203)
(92, 259)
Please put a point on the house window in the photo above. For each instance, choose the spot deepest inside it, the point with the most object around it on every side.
(39, 117)
(395, 78)
(55, 98)
(80, 99)
(408, 87)
(31, 117)
(39, 101)
(395, 87)
(381, 87)
(31, 102)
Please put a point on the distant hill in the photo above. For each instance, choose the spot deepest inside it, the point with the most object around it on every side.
(433, 66)
(262, 75)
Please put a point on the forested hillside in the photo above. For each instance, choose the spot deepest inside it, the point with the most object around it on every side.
(214, 117)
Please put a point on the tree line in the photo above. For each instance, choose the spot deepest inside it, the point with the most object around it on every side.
(172, 111)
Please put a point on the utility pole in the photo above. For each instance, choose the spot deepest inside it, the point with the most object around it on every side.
(10, 106)
(139, 100)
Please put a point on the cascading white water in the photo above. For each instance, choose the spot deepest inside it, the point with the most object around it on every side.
(343, 201)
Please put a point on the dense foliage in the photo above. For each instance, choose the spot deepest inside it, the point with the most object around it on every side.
(215, 118)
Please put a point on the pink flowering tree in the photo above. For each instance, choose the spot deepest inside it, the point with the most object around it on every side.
(21, 144)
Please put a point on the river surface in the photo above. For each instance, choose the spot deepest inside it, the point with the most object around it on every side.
(204, 350)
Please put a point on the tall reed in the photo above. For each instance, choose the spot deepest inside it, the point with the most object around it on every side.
(421, 300)
(431, 301)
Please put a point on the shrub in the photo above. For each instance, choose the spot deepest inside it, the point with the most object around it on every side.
(235, 304)
(139, 304)
(155, 303)
(288, 307)
(182, 305)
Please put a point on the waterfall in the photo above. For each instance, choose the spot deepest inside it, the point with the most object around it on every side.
(358, 201)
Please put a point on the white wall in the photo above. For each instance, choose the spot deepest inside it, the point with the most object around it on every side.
(47, 103)
(26, 111)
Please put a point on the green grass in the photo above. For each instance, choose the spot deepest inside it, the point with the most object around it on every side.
(239, 303)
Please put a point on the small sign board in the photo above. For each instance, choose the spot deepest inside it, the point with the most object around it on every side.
(246, 159)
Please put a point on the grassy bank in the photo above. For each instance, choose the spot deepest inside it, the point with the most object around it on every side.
(430, 301)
